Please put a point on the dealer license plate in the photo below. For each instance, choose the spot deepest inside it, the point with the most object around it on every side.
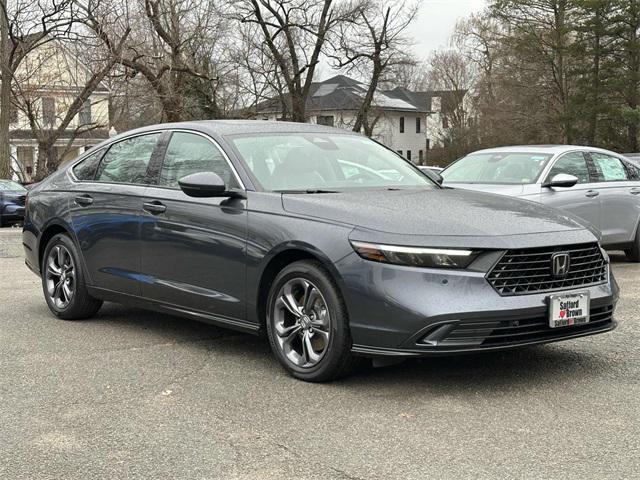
(568, 310)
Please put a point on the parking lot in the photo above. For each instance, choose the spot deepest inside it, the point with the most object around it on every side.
(133, 394)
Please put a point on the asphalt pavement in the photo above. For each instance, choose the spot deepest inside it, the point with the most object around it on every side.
(139, 395)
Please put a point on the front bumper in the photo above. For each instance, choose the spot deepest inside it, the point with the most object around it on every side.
(406, 311)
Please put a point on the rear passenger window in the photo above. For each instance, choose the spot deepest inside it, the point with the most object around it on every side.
(86, 169)
(189, 153)
(610, 169)
(571, 164)
(127, 161)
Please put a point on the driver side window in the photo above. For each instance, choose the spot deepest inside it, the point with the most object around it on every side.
(127, 160)
(189, 153)
(571, 164)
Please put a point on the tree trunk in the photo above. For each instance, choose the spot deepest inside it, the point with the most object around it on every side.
(633, 96)
(362, 118)
(298, 108)
(5, 95)
(592, 131)
(47, 159)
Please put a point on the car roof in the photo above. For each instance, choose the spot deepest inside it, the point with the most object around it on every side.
(239, 127)
(545, 149)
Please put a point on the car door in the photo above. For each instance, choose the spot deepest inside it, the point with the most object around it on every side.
(582, 199)
(106, 211)
(620, 198)
(194, 249)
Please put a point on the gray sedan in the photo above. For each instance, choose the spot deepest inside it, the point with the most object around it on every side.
(600, 186)
(329, 243)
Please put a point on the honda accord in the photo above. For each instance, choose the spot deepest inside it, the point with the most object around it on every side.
(330, 243)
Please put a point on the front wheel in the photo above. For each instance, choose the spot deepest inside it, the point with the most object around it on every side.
(63, 281)
(307, 323)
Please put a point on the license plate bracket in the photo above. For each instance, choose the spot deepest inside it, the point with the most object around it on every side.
(569, 310)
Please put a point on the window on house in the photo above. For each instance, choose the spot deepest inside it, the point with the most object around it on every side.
(420, 156)
(428, 144)
(401, 124)
(49, 110)
(25, 158)
(325, 120)
(85, 113)
(408, 154)
(400, 152)
(418, 124)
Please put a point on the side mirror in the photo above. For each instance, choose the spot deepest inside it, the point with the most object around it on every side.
(562, 180)
(203, 184)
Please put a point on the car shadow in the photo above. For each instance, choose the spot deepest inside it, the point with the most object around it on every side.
(489, 372)
(484, 373)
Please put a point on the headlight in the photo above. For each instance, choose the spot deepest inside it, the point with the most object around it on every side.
(415, 256)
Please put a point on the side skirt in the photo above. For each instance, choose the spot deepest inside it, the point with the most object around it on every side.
(132, 300)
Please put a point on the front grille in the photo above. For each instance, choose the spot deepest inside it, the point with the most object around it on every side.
(526, 271)
(492, 333)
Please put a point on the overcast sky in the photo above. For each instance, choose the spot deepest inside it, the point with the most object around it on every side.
(431, 28)
(436, 20)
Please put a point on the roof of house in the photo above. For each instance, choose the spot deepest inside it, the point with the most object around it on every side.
(344, 93)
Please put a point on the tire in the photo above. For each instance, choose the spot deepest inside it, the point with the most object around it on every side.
(63, 281)
(325, 314)
(633, 254)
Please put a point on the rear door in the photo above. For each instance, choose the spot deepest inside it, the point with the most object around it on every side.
(106, 211)
(194, 249)
(619, 190)
(582, 199)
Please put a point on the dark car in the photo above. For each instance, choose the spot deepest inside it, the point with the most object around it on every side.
(12, 199)
(332, 244)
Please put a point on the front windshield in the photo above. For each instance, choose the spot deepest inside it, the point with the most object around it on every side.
(11, 185)
(329, 162)
(511, 168)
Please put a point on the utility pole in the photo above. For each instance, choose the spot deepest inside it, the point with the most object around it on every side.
(5, 93)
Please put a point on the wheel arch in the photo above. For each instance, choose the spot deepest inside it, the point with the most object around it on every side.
(277, 260)
(52, 229)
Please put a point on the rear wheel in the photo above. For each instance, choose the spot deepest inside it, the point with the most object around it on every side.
(633, 254)
(307, 323)
(63, 281)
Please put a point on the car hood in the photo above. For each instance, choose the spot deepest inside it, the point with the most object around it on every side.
(453, 214)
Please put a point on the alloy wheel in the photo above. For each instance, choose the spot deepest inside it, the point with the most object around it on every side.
(60, 276)
(301, 322)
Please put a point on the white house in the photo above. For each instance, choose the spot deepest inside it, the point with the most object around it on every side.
(407, 121)
(47, 81)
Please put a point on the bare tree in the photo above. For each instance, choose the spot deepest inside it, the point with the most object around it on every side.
(167, 40)
(25, 25)
(372, 44)
(295, 33)
(75, 68)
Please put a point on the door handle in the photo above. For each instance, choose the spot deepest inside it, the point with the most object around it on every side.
(592, 193)
(154, 207)
(635, 191)
(84, 200)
